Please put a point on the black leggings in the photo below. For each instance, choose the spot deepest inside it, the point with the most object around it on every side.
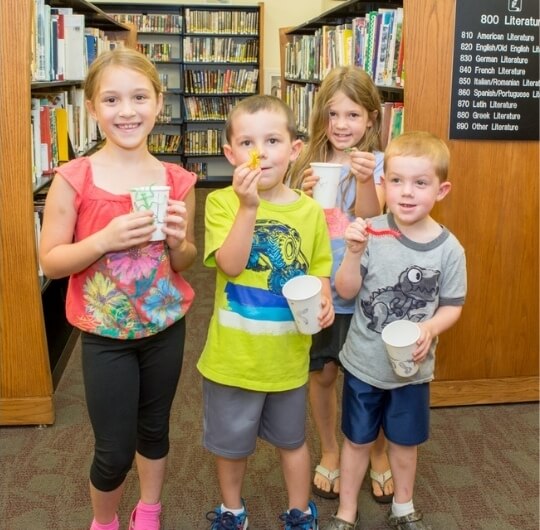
(130, 386)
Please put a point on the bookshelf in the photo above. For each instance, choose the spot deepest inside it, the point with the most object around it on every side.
(357, 32)
(209, 57)
(35, 338)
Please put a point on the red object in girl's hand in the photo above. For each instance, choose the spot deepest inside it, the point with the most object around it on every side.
(389, 232)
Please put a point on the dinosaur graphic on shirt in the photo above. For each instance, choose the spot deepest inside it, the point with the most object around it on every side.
(415, 289)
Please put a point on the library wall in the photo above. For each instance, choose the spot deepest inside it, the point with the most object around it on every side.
(491, 355)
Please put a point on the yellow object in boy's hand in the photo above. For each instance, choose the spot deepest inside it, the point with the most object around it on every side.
(254, 159)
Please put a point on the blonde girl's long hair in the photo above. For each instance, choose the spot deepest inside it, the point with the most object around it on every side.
(126, 58)
(358, 86)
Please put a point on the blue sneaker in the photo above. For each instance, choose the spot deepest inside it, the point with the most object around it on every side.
(298, 520)
(227, 520)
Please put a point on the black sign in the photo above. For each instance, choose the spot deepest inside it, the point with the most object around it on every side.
(495, 81)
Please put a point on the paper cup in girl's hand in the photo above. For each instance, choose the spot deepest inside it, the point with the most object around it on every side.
(152, 198)
(325, 191)
(303, 294)
(400, 338)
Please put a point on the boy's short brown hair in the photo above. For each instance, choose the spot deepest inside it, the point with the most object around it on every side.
(253, 104)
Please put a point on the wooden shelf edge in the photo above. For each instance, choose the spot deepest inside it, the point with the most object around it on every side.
(485, 391)
(27, 411)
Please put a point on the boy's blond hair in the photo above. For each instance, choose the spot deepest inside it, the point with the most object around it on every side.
(421, 144)
(256, 103)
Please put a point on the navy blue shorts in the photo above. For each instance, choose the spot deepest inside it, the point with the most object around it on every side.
(402, 412)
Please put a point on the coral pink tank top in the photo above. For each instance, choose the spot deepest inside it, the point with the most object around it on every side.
(131, 293)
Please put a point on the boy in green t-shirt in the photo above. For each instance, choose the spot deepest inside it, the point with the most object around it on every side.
(259, 234)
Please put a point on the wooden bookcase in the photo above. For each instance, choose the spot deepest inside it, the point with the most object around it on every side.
(492, 354)
(199, 50)
(306, 53)
(35, 338)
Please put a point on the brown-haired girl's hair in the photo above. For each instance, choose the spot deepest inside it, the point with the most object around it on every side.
(126, 58)
(358, 86)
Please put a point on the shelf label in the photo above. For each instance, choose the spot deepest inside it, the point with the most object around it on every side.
(495, 85)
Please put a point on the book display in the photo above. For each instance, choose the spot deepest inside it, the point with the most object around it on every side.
(208, 58)
(44, 124)
(365, 34)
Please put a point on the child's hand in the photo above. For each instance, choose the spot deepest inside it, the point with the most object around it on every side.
(362, 165)
(175, 224)
(356, 236)
(126, 231)
(424, 342)
(245, 181)
(326, 316)
(308, 182)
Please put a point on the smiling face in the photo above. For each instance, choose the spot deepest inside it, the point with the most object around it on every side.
(347, 122)
(125, 105)
(412, 188)
(265, 131)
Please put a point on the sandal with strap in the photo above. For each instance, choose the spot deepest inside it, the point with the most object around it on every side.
(411, 521)
(331, 476)
(381, 479)
(336, 523)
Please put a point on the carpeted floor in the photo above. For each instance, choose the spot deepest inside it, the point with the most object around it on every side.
(479, 470)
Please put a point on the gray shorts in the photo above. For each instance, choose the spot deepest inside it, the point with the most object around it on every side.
(235, 417)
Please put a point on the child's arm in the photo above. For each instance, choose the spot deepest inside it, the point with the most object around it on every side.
(180, 232)
(367, 203)
(60, 256)
(444, 318)
(326, 316)
(233, 255)
(348, 278)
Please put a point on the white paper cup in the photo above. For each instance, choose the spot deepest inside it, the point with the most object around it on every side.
(400, 338)
(303, 294)
(325, 191)
(152, 198)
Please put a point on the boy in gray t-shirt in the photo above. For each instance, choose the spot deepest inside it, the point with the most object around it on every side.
(400, 266)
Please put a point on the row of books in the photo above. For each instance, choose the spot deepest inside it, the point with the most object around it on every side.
(202, 109)
(152, 23)
(220, 50)
(156, 51)
(301, 97)
(60, 127)
(373, 42)
(392, 122)
(166, 114)
(163, 143)
(238, 81)
(202, 143)
(199, 168)
(62, 47)
(234, 22)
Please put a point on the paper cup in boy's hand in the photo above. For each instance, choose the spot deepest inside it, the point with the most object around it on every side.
(325, 191)
(400, 338)
(303, 294)
(152, 198)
